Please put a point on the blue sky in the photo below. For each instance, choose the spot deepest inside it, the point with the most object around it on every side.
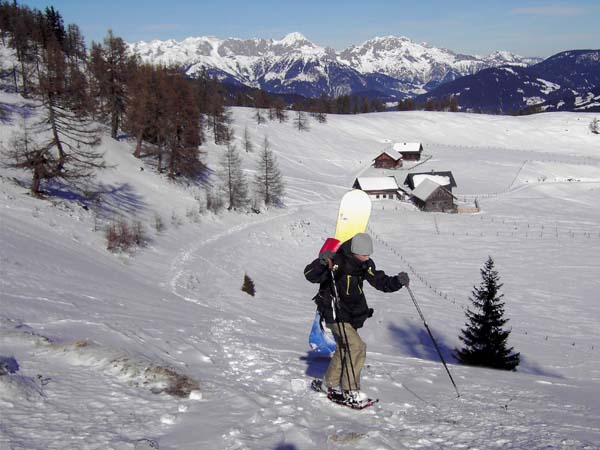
(528, 28)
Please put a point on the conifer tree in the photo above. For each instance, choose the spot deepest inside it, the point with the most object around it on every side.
(258, 116)
(233, 178)
(142, 105)
(219, 116)
(64, 133)
(484, 338)
(248, 286)
(112, 66)
(268, 181)
(301, 121)
(182, 123)
(246, 141)
(280, 111)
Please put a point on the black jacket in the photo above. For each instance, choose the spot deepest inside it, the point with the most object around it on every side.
(349, 275)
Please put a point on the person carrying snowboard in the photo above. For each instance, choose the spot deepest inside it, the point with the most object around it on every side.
(351, 265)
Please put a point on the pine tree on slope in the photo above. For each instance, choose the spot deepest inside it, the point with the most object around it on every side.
(484, 339)
(233, 178)
(268, 180)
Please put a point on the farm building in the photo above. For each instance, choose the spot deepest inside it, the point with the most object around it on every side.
(410, 151)
(388, 160)
(379, 187)
(430, 196)
(445, 179)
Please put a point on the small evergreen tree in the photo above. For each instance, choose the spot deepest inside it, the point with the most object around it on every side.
(268, 180)
(233, 179)
(247, 142)
(248, 286)
(485, 341)
(258, 116)
(301, 121)
(280, 111)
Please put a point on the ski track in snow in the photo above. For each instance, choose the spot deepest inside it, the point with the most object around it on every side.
(183, 259)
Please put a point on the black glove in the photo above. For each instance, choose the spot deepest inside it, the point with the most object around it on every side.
(325, 257)
(402, 277)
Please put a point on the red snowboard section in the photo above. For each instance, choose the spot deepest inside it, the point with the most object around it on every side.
(330, 244)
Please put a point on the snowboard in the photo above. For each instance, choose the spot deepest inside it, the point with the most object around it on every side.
(353, 217)
(339, 398)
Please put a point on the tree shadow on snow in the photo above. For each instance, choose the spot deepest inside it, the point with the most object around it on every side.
(9, 110)
(284, 446)
(415, 341)
(118, 200)
(316, 364)
(530, 367)
(106, 200)
(8, 364)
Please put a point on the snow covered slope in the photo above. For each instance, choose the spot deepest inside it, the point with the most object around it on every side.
(394, 66)
(84, 333)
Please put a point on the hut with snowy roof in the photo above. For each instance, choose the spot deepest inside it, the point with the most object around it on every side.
(389, 159)
(379, 187)
(432, 191)
(445, 179)
(410, 151)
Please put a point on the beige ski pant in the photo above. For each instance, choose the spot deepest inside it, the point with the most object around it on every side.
(336, 372)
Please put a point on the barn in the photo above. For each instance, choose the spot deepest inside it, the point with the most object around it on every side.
(379, 187)
(388, 160)
(445, 179)
(410, 151)
(430, 196)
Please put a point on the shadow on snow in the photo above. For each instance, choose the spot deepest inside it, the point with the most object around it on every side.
(316, 364)
(107, 201)
(415, 341)
(284, 446)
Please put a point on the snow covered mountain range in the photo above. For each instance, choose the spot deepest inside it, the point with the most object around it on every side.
(567, 81)
(384, 66)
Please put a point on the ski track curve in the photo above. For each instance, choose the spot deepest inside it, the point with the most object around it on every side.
(179, 262)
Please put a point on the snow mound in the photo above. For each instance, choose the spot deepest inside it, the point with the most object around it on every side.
(135, 370)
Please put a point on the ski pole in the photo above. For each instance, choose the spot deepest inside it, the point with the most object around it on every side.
(342, 326)
(412, 296)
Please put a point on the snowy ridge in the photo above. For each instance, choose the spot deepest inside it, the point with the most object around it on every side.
(567, 81)
(277, 65)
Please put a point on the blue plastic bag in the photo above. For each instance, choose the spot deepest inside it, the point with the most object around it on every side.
(320, 341)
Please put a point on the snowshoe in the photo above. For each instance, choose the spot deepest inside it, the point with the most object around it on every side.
(351, 399)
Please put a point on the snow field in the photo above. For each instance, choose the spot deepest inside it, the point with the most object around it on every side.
(177, 303)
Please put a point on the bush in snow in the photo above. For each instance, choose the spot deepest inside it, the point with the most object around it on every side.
(178, 385)
(248, 286)
(485, 341)
(122, 236)
(595, 126)
(214, 202)
(159, 224)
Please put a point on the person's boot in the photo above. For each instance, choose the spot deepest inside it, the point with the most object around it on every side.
(355, 397)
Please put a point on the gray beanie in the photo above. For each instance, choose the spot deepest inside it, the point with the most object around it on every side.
(362, 244)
